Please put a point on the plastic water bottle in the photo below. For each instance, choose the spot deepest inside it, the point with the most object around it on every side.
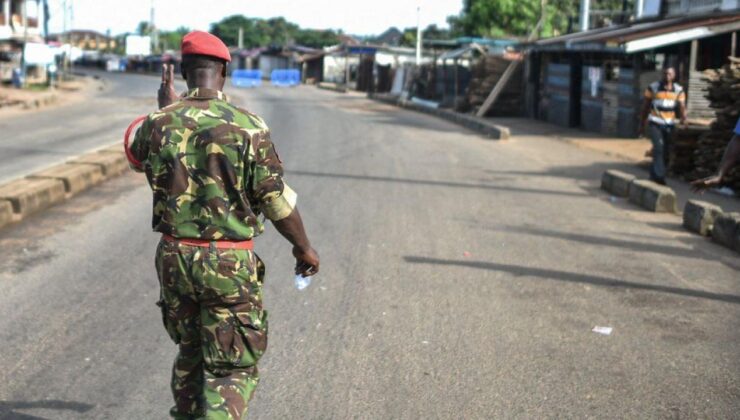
(302, 282)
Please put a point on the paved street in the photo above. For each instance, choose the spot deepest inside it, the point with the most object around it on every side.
(461, 278)
(33, 141)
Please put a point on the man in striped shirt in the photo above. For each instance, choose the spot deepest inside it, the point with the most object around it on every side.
(663, 101)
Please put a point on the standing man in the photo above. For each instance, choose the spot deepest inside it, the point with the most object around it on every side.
(663, 99)
(729, 159)
(213, 170)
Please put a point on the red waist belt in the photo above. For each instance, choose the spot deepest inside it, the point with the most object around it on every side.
(220, 244)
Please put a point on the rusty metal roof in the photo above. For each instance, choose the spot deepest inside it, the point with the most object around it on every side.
(641, 35)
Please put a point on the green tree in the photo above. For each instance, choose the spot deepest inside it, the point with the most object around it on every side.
(430, 33)
(228, 29)
(144, 28)
(171, 40)
(316, 38)
(496, 18)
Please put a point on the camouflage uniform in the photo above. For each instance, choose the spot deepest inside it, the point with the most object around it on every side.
(213, 171)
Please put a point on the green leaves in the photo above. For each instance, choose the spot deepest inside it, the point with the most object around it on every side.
(495, 18)
(266, 32)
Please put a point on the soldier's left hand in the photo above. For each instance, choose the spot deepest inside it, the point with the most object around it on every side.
(307, 261)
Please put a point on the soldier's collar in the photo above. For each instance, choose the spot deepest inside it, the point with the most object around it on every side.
(205, 93)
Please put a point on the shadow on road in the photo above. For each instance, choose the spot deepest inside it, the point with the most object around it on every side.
(673, 251)
(8, 408)
(449, 184)
(569, 277)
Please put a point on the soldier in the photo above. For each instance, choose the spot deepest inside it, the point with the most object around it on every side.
(213, 170)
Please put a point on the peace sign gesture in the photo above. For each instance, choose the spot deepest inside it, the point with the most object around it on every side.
(167, 94)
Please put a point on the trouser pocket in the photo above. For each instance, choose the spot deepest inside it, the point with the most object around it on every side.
(170, 324)
(233, 337)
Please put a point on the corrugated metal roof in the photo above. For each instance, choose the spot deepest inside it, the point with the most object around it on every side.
(639, 36)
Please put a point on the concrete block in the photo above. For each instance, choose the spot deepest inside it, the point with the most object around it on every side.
(653, 197)
(6, 213)
(112, 164)
(698, 216)
(617, 182)
(726, 230)
(76, 177)
(28, 196)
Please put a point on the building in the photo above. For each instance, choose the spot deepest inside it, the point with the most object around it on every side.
(87, 40)
(595, 79)
(19, 23)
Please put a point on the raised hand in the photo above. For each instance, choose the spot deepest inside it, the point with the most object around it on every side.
(167, 95)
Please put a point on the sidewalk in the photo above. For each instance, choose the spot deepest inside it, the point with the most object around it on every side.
(14, 100)
(629, 155)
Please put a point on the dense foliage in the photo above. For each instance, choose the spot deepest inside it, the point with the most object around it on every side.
(519, 17)
(274, 31)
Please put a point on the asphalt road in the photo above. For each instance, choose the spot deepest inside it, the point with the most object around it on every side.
(461, 278)
(33, 140)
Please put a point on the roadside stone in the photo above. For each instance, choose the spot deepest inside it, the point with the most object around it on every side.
(6, 213)
(76, 177)
(481, 125)
(699, 216)
(653, 197)
(112, 164)
(332, 86)
(726, 230)
(617, 182)
(28, 196)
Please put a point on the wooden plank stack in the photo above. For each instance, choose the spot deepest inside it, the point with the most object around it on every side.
(484, 76)
(724, 97)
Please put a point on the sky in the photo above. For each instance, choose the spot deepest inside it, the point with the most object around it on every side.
(366, 17)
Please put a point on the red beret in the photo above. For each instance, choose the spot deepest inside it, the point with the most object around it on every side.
(203, 43)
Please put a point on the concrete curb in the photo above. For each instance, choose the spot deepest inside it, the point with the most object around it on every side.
(653, 197)
(111, 164)
(76, 177)
(494, 131)
(23, 197)
(617, 182)
(699, 216)
(332, 87)
(726, 230)
(29, 196)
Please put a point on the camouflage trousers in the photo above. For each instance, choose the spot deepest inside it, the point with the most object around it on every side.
(211, 303)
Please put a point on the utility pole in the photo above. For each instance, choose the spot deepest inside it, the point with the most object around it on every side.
(71, 26)
(65, 40)
(241, 38)
(155, 31)
(24, 19)
(418, 35)
(46, 20)
(585, 12)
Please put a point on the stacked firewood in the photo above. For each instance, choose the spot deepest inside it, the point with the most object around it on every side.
(724, 95)
(684, 147)
(484, 76)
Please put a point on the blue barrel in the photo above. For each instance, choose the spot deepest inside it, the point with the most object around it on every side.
(246, 78)
(287, 77)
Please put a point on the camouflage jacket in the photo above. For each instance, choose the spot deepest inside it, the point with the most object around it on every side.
(212, 169)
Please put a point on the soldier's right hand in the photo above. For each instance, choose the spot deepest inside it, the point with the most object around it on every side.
(167, 95)
(307, 261)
